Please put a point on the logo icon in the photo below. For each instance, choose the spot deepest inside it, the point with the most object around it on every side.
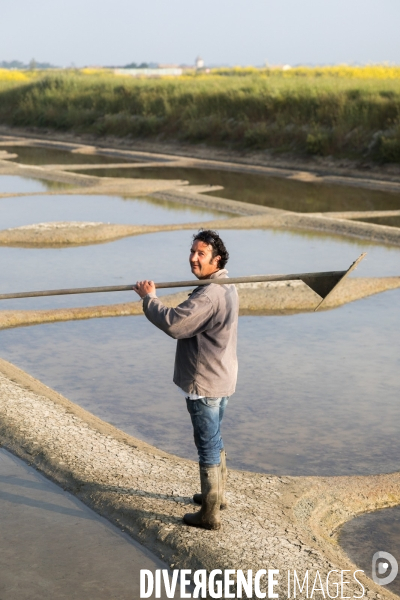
(383, 562)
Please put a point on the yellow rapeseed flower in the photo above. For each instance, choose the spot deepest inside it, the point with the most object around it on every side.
(13, 75)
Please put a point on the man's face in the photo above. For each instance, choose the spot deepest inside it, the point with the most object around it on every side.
(201, 260)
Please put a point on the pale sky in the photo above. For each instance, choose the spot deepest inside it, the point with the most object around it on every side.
(233, 32)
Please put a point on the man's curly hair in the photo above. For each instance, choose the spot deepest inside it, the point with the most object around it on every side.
(210, 237)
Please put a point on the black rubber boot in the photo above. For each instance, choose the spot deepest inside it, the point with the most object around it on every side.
(197, 498)
(208, 516)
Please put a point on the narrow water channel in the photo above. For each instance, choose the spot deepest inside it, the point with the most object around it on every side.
(53, 547)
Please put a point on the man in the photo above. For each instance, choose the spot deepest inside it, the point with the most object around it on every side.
(205, 326)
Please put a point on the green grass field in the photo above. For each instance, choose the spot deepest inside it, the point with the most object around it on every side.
(339, 111)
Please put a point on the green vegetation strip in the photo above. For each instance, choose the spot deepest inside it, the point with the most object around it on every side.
(319, 112)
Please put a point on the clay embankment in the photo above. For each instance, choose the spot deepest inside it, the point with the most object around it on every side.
(273, 522)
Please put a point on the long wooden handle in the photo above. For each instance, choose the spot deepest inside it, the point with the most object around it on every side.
(321, 283)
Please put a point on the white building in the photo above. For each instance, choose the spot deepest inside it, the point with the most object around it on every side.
(162, 72)
(199, 63)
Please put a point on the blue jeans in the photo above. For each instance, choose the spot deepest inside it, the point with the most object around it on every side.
(206, 415)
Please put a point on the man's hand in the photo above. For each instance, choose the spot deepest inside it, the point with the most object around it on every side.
(144, 287)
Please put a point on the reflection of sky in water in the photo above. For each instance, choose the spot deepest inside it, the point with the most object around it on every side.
(15, 212)
(363, 536)
(14, 184)
(164, 257)
(317, 393)
(278, 192)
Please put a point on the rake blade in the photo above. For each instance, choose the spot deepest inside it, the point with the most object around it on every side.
(335, 285)
(323, 285)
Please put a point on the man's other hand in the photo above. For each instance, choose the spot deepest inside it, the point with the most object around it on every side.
(144, 287)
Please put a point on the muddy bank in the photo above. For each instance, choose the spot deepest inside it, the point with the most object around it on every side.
(273, 522)
(275, 298)
(64, 234)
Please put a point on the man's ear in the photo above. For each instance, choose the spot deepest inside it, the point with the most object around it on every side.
(215, 260)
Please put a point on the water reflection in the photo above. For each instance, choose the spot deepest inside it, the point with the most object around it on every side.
(34, 155)
(373, 532)
(15, 184)
(269, 191)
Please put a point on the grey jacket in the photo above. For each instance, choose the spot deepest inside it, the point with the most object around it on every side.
(205, 326)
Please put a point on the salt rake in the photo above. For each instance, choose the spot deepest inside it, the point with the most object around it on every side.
(322, 283)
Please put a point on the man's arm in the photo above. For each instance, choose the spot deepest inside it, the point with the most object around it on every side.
(191, 317)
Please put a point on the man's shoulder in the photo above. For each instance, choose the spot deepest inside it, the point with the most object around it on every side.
(214, 292)
(198, 294)
(218, 292)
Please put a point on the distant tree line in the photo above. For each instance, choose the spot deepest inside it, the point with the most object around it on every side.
(33, 64)
(141, 66)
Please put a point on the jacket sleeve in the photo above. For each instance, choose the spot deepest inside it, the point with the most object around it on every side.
(191, 317)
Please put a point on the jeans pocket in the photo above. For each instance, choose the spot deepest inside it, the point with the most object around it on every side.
(212, 402)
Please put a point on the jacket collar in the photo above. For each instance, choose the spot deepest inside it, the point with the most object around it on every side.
(220, 273)
(217, 274)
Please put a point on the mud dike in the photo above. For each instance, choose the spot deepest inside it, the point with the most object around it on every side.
(272, 522)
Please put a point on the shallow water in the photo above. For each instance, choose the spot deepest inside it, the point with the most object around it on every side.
(55, 547)
(27, 210)
(309, 384)
(33, 155)
(15, 184)
(164, 257)
(373, 532)
(269, 191)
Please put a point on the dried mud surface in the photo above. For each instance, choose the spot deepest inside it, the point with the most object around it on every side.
(272, 522)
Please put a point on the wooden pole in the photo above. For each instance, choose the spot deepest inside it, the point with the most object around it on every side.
(322, 283)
